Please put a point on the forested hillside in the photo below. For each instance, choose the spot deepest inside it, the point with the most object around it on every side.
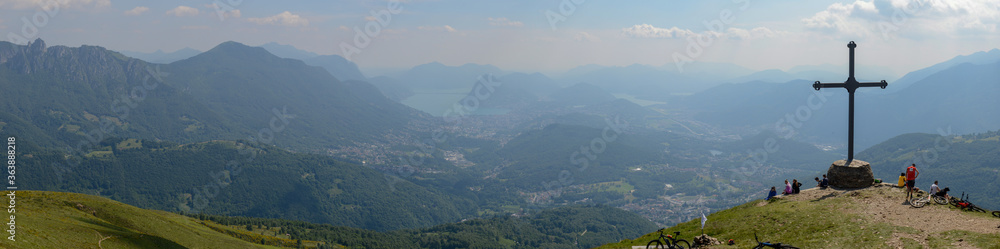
(240, 178)
(62, 96)
(564, 227)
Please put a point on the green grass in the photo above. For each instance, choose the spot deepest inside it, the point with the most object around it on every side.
(70, 128)
(68, 220)
(99, 154)
(805, 224)
(910, 243)
(130, 143)
(620, 187)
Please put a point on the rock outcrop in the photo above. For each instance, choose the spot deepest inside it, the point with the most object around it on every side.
(705, 241)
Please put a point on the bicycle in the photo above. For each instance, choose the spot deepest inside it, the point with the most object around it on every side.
(964, 204)
(762, 245)
(996, 214)
(940, 200)
(669, 242)
(919, 202)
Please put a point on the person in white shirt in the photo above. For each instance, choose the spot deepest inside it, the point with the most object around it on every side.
(934, 189)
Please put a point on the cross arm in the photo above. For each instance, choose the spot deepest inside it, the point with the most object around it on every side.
(818, 85)
(881, 84)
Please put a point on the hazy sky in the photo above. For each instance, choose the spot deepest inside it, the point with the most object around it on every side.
(532, 35)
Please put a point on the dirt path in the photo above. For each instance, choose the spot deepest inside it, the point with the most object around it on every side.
(887, 204)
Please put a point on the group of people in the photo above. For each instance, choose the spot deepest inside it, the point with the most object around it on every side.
(908, 179)
(794, 187)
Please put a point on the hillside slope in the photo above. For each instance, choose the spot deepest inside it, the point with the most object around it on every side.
(68, 220)
(270, 182)
(567, 227)
(875, 217)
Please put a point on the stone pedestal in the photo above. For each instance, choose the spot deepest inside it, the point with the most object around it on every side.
(857, 175)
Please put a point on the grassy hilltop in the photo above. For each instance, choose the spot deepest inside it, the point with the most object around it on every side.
(68, 220)
(875, 217)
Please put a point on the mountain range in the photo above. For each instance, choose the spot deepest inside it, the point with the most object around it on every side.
(68, 94)
(275, 132)
(163, 57)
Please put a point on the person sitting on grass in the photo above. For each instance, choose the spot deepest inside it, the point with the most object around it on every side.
(943, 193)
(771, 194)
(795, 186)
(788, 188)
(824, 183)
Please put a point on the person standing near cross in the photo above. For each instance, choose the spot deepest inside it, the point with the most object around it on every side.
(911, 180)
(851, 85)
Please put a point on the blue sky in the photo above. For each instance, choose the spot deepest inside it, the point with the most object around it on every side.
(902, 35)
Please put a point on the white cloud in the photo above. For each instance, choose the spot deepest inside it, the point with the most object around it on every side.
(584, 36)
(650, 31)
(909, 17)
(32, 4)
(285, 18)
(136, 11)
(446, 28)
(504, 22)
(755, 33)
(234, 13)
(183, 11)
(844, 18)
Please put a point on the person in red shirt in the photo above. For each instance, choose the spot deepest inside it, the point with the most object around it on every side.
(911, 178)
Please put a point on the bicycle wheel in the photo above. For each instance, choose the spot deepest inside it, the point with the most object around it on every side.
(977, 209)
(789, 247)
(918, 202)
(940, 200)
(681, 244)
(655, 245)
(996, 214)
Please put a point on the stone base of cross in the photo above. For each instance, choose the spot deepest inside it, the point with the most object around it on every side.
(856, 174)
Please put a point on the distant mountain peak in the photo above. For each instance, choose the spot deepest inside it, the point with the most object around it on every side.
(236, 48)
(37, 46)
(230, 44)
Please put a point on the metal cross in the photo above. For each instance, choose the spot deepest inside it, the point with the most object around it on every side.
(851, 84)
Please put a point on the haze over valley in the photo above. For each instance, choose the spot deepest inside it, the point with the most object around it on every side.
(497, 128)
